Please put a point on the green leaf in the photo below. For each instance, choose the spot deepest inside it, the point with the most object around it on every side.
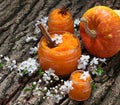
(94, 86)
(100, 71)
(33, 86)
(24, 72)
(1, 65)
(27, 89)
(40, 71)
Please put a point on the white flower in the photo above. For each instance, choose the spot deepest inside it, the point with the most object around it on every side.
(83, 61)
(85, 75)
(94, 72)
(6, 58)
(93, 69)
(57, 38)
(48, 93)
(54, 95)
(102, 60)
(46, 78)
(76, 22)
(37, 22)
(56, 98)
(49, 74)
(12, 65)
(29, 65)
(94, 61)
(43, 21)
(29, 38)
(33, 50)
(67, 86)
(81, 66)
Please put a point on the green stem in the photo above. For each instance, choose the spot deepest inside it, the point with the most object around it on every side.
(91, 33)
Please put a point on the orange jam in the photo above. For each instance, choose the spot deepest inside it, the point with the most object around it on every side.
(81, 88)
(58, 21)
(63, 58)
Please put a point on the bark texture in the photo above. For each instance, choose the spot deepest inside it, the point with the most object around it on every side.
(17, 20)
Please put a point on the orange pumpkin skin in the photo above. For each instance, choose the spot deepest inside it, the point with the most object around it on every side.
(106, 23)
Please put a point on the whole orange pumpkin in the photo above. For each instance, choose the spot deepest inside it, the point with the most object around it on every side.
(100, 31)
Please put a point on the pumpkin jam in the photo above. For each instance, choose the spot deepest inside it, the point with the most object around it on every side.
(81, 88)
(58, 21)
(63, 58)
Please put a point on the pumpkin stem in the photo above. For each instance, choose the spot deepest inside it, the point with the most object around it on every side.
(63, 10)
(51, 43)
(90, 32)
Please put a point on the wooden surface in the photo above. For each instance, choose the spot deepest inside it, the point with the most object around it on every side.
(17, 20)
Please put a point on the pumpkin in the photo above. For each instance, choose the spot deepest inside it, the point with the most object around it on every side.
(60, 19)
(100, 31)
(118, 12)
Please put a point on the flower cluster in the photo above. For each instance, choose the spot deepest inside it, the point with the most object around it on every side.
(55, 93)
(49, 76)
(83, 61)
(60, 91)
(28, 67)
(66, 87)
(57, 38)
(92, 64)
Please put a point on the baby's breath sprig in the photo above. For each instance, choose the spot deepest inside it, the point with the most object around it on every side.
(55, 93)
(59, 92)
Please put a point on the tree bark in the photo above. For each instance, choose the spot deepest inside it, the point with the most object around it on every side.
(17, 21)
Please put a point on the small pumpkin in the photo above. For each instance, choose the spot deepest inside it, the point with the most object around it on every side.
(60, 19)
(100, 31)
